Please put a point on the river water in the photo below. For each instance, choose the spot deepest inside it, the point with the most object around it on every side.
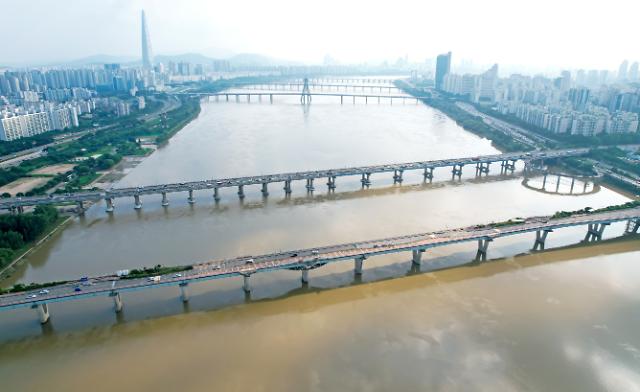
(565, 319)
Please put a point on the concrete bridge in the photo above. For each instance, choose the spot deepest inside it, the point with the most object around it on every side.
(260, 97)
(480, 163)
(304, 260)
(346, 80)
(323, 87)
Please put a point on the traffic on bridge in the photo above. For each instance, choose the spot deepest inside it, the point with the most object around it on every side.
(307, 259)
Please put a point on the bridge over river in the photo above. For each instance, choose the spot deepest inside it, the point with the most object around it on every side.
(481, 163)
(305, 260)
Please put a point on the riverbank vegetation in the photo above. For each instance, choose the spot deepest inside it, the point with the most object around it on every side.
(19, 232)
(101, 150)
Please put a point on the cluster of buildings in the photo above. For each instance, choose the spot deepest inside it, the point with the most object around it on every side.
(22, 123)
(579, 103)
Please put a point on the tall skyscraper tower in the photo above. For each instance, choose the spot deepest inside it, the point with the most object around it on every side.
(147, 57)
(443, 67)
(622, 71)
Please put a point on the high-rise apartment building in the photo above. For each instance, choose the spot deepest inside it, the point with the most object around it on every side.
(443, 67)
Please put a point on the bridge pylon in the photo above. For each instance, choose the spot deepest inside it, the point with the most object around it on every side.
(305, 98)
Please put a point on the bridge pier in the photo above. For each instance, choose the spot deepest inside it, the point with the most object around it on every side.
(457, 171)
(305, 276)
(632, 226)
(483, 245)
(341, 99)
(237, 98)
(265, 189)
(165, 201)
(136, 202)
(246, 285)
(43, 312)
(573, 181)
(417, 256)
(80, 208)
(287, 187)
(397, 176)
(365, 180)
(216, 194)
(508, 165)
(241, 191)
(594, 232)
(541, 237)
(110, 206)
(190, 199)
(184, 291)
(227, 95)
(309, 185)
(117, 301)
(428, 174)
(482, 168)
(331, 183)
(358, 265)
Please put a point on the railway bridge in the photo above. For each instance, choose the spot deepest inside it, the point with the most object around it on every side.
(480, 163)
(305, 260)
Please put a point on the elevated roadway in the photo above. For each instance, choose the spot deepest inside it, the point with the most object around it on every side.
(308, 259)
(481, 164)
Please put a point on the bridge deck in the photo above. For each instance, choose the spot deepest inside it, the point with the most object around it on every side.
(313, 257)
(281, 177)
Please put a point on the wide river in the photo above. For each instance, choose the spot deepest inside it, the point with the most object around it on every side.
(563, 319)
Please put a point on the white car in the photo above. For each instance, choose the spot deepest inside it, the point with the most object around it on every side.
(45, 291)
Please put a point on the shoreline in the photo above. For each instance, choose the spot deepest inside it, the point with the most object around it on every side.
(117, 171)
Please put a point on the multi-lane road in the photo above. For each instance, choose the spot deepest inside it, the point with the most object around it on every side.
(305, 259)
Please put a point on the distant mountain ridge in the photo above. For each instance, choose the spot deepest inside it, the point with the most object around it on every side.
(242, 59)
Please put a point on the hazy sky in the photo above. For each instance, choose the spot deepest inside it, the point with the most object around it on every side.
(540, 33)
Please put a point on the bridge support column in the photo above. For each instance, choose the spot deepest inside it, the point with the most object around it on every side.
(241, 191)
(341, 99)
(265, 189)
(428, 174)
(216, 195)
(287, 187)
(270, 98)
(136, 202)
(80, 208)
(309, 185)
(595, 231)
(483, 245)
(397, 176)
(358, 265)
(482, 168)
(509, 165)
(331, 183)
(246, 285)
(541, 237)
(43, 312)
(184, 291)
(632, 226)
(457, 171)
(165, 201)
(305, 276)
(109, 202)
(190, 199)
(117, 301)
(417, 256)
(573, 181)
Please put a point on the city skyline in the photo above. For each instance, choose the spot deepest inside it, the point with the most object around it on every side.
(499, 37)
